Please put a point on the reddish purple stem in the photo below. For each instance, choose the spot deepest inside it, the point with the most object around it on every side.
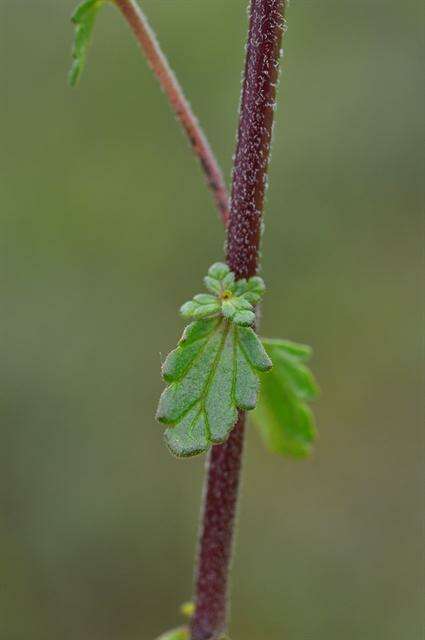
(220, 500)
(249, 178)
(254, 135)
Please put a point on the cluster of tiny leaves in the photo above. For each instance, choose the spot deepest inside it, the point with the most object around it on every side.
(83, 19)
(282, 415)
(215, 369)
(231, 299)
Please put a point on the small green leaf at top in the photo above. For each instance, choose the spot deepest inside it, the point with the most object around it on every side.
(177, 634)
(282, 414)
(83, 19)
(213, 372)
(227, 297)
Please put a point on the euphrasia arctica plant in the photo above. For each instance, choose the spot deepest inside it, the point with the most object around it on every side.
(221, 369)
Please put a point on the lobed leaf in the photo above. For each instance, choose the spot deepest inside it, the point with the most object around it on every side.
(212, 373)
(83, 19)
(282, 415)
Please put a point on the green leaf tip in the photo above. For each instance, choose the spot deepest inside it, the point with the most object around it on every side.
(213, 372)
(177, 634)
(285, 421)
(83, 19)
(230, 298)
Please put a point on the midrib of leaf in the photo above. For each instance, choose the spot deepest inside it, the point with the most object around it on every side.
(211, 375)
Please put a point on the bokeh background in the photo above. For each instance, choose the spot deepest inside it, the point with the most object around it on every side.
(107, 227)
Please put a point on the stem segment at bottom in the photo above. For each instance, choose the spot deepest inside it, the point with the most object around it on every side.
(220, 503)
(266, 25)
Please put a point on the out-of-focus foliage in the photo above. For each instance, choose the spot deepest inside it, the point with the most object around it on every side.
(106, 224)
(282, 414)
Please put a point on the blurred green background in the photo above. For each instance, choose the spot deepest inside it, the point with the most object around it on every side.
(106, 227)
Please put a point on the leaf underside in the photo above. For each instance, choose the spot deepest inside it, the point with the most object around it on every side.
(282, 415)
(83, 19)
(212, 373)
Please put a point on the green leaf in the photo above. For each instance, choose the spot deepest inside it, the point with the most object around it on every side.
(215, 369)
(212, 373)
(195, 309)
(219, 270)
(177, 634)
(282, 415)
(83, 18)
(252, 289)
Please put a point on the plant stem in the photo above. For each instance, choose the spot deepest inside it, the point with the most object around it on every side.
(215, 549)
(249, 178)
(171, 87)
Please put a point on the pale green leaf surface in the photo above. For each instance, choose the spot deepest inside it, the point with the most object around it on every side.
(282, 415)
(177, 634)
(219, 270)
(83, 19)
(212, 373)
(252, 289)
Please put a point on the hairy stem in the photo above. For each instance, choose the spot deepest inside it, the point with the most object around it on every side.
(249, 178)
(171, 87)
